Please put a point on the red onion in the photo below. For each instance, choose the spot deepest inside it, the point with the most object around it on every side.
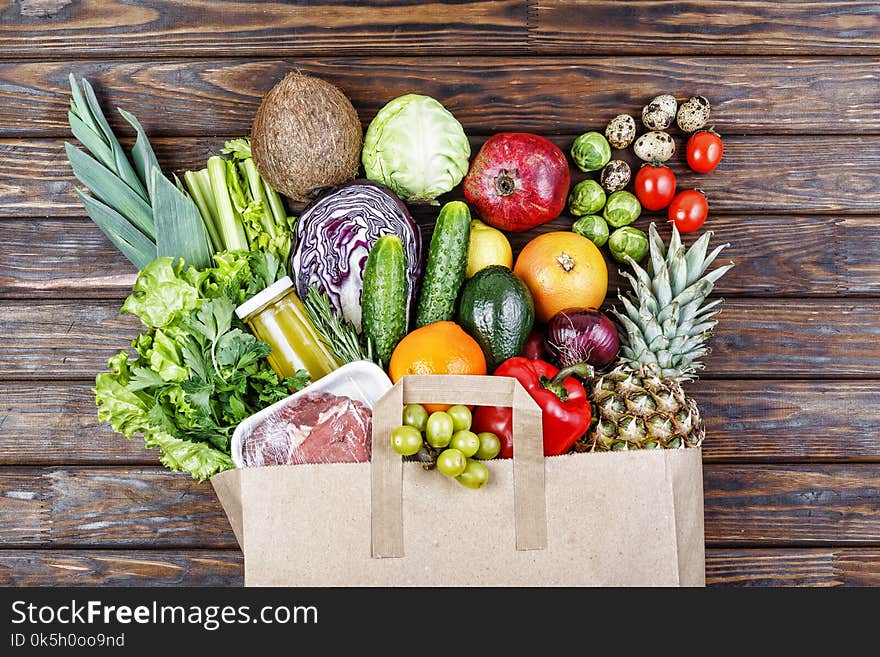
(534, 348)
(581, 336)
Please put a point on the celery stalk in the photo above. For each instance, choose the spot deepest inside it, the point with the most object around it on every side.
(256, 186)
(199, 185)
(231, 228)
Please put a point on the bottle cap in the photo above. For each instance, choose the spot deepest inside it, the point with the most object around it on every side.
(262, 298)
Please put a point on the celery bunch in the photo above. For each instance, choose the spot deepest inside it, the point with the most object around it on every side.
(239, 209)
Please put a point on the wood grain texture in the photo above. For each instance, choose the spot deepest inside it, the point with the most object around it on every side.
(160, 27)
(789, 421)
(786, 338)
(746, 422)
(121, 568)
(742, 567)
(63, 28)
(109, 506)
(803, 567)
(716, 26)
(140, 507)
(758, 175)
(487, 94)
(58, 424)
(792, 505)
(45, 258)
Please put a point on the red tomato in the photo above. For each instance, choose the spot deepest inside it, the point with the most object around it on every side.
(688, 210)
(704, 150)
(654, 186)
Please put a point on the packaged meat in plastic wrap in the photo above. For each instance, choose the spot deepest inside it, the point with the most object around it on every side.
(328, 422)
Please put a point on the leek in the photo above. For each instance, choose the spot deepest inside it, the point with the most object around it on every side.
(139, 210)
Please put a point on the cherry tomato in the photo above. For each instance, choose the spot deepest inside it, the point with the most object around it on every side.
(704, 150)
(655, 186)
(688, 210)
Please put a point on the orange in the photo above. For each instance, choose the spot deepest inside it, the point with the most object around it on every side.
(438, 348)
(562, 270)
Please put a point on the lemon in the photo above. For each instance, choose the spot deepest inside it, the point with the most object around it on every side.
(488, 246)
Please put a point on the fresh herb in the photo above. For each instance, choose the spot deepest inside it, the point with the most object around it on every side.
(339, 335)
(142, 212)
(239, 209)
(198, 372)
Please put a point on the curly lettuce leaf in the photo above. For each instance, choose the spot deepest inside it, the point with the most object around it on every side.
(197, 458)
(162, 292)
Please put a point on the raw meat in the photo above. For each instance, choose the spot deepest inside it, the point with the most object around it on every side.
(317, 427)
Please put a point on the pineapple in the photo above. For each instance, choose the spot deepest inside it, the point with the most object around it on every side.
(666, 322)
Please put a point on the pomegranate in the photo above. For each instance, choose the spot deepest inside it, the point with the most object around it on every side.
(518, 181)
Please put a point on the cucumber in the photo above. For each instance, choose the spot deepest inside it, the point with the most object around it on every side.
(446, 266)
(385, 296)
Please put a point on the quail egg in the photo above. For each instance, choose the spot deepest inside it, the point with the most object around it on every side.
(654, 145)
(621, 131)
(660, 112)
(615, 176)
(693, 114)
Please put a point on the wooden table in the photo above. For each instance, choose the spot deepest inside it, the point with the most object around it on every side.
(790, 394)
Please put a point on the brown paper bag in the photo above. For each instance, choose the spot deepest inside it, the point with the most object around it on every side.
(612, 519)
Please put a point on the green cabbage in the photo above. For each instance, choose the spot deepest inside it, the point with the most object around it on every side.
(417, 148)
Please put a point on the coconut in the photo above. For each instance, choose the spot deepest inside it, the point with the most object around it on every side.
(306, 136)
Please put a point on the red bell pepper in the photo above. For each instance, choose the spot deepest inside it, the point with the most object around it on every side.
(566, 412)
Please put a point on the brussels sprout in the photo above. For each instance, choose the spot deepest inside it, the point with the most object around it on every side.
(628, 241)
(586, 197)
(417, 148)
(591, 151)
(593, 227)
(621, 209)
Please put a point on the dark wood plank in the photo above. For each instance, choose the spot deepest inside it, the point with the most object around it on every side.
(746, 422)
(715, 26)
(140, 507)
(808, 255)
(786, 338)
(793, 567)
(110, 506)
(63, 28)
(790, 421)
(551, 96)
(121, 568)
(758, 175)
(743, 567)
(792, 505)
(58, 423)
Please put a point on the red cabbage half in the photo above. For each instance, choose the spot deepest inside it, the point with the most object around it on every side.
(333, 238)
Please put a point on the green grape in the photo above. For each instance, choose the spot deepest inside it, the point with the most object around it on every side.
(406, 440)
(461, 417)
(439, 429)
(489, 446)
(451, 462)
(465, 442)
(475, 475)
(415, 415)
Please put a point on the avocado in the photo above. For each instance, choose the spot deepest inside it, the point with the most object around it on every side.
(497, 310)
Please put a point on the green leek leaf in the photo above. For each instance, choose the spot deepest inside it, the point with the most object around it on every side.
(142, 152)
(180, 232)
(133, 244)
(105, 186)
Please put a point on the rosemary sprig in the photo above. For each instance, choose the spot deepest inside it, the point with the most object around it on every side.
(339, 335)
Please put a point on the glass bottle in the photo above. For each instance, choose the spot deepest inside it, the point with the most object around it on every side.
(278, 317)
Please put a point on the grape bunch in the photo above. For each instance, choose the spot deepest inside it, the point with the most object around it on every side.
(446, 441)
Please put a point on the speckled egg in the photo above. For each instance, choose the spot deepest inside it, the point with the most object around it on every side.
(660, 112)
(693, 114)
(654, 145)
(621, 131)
(615, 176)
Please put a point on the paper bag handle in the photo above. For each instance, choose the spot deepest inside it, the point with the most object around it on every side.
(529, 508)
